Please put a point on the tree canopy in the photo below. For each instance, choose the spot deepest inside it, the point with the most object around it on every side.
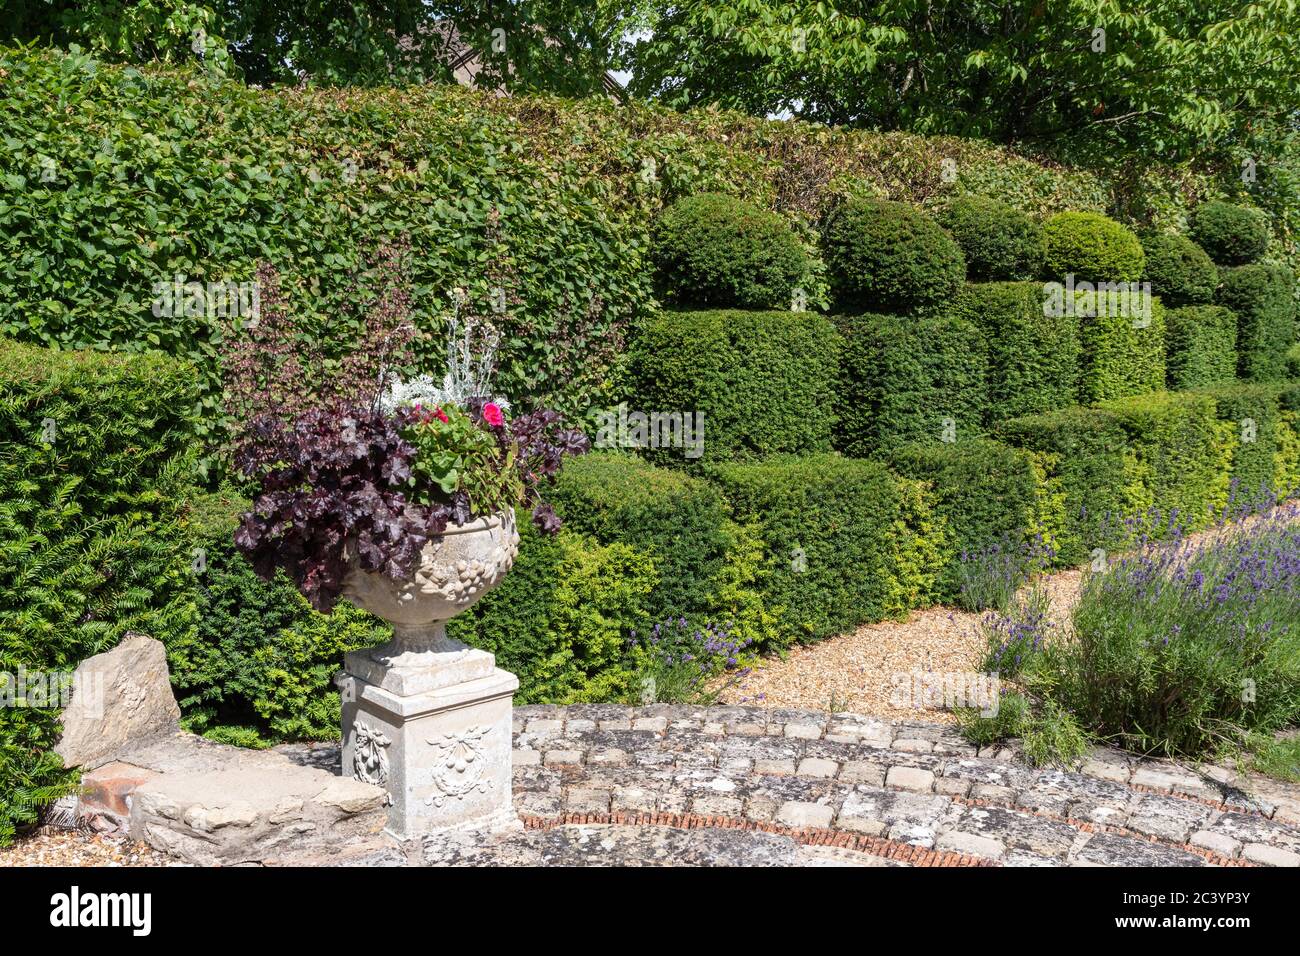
(1169, 77)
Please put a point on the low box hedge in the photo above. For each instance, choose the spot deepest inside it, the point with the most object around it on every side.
(846, 541)
(1255, 425)
(765, 382)
(904, 376)
(561, 619)
(1180, 457)
(1080, 454)
(679, 519)
(1262, 297)
(1201, 346)
(985, 492)
(96, 460)
(1033, 357)
(258, 662)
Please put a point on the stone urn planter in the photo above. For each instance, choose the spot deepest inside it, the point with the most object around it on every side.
(425, 716)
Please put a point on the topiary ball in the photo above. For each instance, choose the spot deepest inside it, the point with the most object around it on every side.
(999, 241)
(1095, 248)
(1232, 235)
(711, 250)
(1178, 269)
(889, 257)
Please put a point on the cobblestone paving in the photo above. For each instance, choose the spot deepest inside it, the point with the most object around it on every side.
(905, 791)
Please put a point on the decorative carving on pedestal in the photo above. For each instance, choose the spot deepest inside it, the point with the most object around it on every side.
(370, 755)
(425, 713)
(461, 767)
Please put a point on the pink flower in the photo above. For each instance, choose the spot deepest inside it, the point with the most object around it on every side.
(492, 415)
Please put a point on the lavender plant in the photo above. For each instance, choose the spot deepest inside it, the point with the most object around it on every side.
(1183, 648)
(678, 661)
(990, 576)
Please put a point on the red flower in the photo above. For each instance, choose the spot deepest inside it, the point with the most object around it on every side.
(492, 415)
(427, 416)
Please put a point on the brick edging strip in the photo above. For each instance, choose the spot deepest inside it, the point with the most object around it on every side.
(808, 836)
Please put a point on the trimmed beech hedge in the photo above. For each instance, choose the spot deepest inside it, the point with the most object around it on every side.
(1123, 354)
(847, 541)
(1033, 357)
(1262, 297)
(1231, 235)
(1080, 454)
(1178, 269)
(96, 462)
(904, 376)
(985, 492)
(1091, 247)
(1180, 458)
(765, 382)
(716, 251)
(1201, 346)
(1000, 242)
(889, 257)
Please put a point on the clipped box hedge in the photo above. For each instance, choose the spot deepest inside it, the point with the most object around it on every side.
(679, 519)
(1080, 454)
(1123, 352)
(1180, 457)
(258, 662)
(889, 257)
(1000, 243)
(1033, 357)
(904, 376)
(846, 540)
(1201, 346)
(1232, 235)
(1256, 424)
(1091, 247)
(986, 493)
(717, 251)
(561, 618)
(1262, 297)
(1178, 269)
(765, 382)
(96, 461)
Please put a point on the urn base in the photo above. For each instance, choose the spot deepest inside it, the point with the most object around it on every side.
(443, 754)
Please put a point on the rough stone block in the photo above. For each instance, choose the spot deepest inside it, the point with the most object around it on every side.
(118, 697)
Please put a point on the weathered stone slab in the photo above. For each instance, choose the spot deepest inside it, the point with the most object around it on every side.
(253, 807)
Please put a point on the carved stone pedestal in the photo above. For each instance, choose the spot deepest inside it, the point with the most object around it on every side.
(424, 716)
(435, 736)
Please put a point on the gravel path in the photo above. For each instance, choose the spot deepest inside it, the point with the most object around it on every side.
(81, 848)
(860, 671)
